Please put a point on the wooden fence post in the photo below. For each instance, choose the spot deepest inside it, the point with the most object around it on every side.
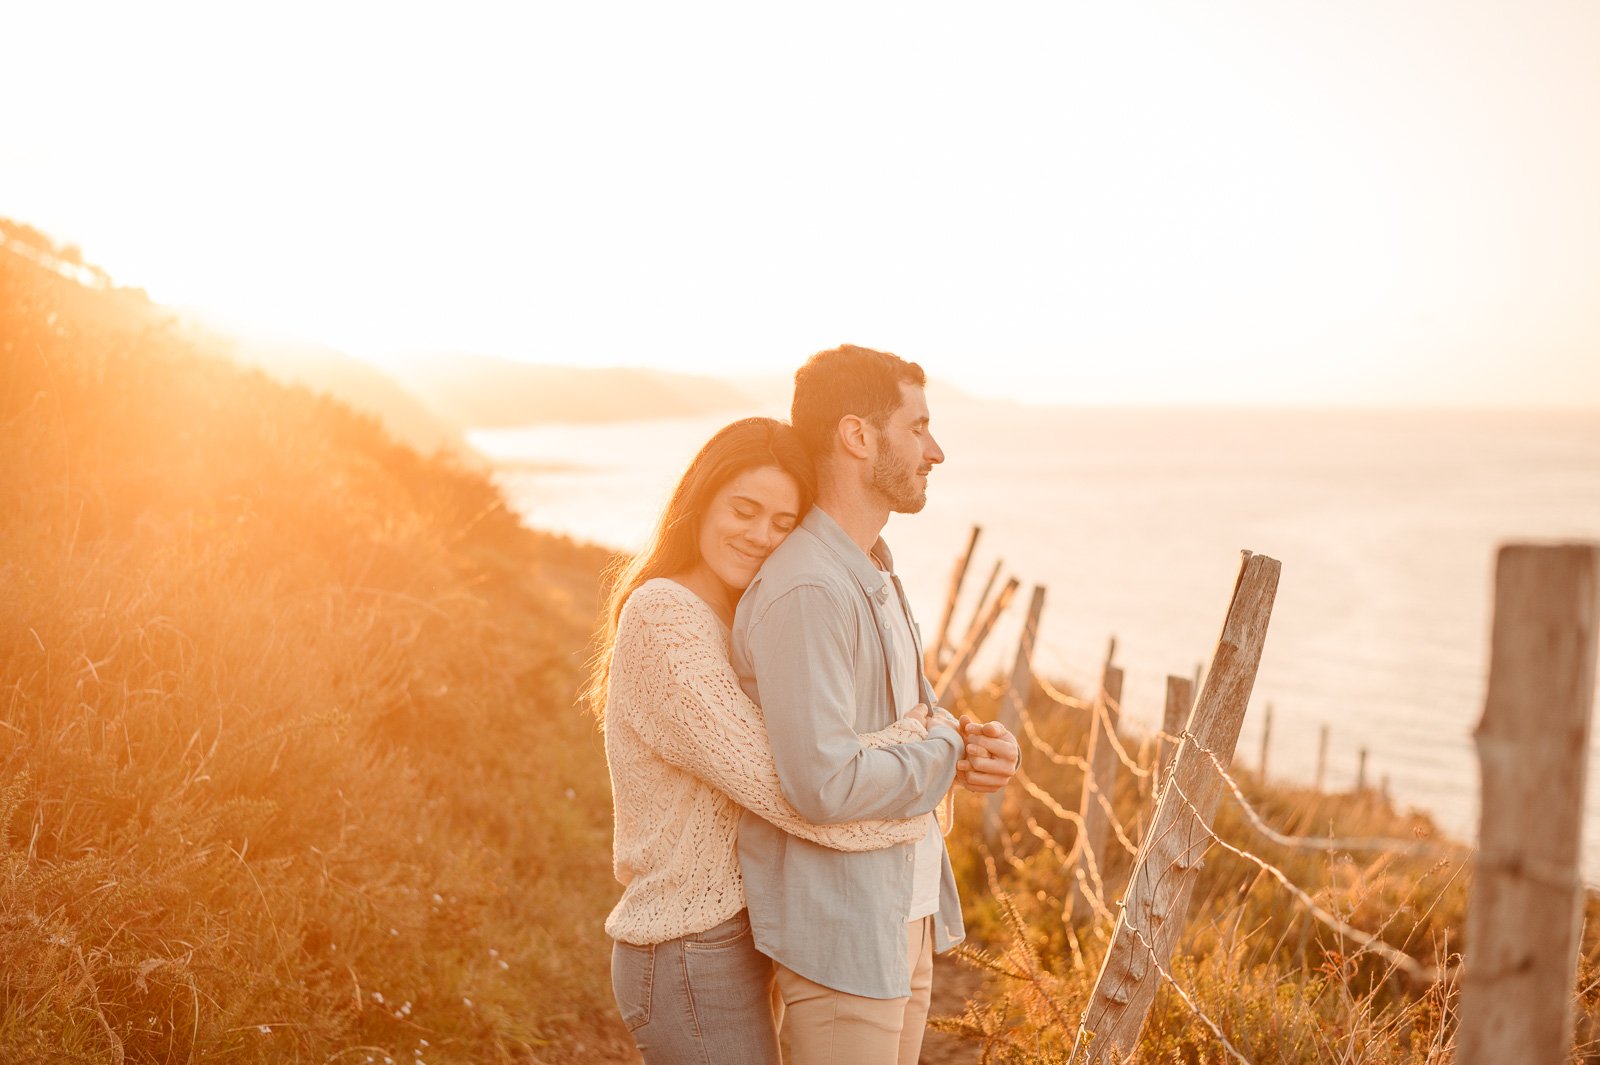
(1157, 899)
(1100, 780)
(1180, 699)
(1266, 740)
(1019, 689)
(981, 608)
(1526, 902)
(1361, 772)
(935, 651)
(1322, 758)
(954, 676)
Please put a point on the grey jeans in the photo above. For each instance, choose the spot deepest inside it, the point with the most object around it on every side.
(704, 998)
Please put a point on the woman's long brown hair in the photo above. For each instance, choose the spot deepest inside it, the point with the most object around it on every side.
(674, 544)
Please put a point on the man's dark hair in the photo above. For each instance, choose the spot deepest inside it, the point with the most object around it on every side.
(847, 380)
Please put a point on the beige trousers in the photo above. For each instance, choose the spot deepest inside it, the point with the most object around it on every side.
(822, 1026)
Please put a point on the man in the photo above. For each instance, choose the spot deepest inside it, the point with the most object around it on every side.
(824, 641)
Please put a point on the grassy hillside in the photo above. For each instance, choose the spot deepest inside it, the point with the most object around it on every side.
(358, 384)
(289, 765)
(480, 391)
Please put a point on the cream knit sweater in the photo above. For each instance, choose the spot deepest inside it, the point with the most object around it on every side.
(687, 749)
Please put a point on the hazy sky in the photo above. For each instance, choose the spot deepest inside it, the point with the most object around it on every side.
(1090, 203)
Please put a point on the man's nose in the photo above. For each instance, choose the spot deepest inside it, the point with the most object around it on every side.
(933, 452)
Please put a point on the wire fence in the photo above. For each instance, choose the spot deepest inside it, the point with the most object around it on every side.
(1083, 867)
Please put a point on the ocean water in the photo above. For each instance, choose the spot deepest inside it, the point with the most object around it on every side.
(1386, 523)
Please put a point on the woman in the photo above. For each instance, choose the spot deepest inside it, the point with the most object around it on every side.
(687, 750)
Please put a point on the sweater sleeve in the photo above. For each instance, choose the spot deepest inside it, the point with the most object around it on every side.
(687, 705)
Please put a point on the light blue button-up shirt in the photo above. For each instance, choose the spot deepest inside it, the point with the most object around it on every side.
(813, 645)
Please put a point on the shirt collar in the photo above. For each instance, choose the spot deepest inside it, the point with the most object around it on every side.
(871, 579)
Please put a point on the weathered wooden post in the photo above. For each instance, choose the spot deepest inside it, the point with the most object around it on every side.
(1322, 758)
(935, 651)
(954, 676)
(980, 610)
(1526, 902)
(1180, 698)
(1100, 780)
(1019, 689)
(1361, 772)
(1266, 740)
(1157, 899)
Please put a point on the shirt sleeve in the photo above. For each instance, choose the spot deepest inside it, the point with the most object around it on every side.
(698, 719)
(799, 649)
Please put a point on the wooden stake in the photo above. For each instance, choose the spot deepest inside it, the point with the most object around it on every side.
(1361, 772)
(1019, 689)
(936, 656)
(1157, 899)
(1101, 780)
(1322, 758)
(1180, 698)
(980, 611)
(954, 678)
(1526, 902)
(1266, 740)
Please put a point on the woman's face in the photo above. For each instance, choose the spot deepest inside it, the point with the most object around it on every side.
(747, 519)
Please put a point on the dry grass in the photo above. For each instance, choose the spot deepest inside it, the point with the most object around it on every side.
(289, 765)
(1279, 986)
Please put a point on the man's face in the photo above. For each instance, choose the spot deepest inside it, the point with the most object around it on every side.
(906, 452)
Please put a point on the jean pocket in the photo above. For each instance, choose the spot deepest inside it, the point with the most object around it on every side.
(633, 971)
(725, 934)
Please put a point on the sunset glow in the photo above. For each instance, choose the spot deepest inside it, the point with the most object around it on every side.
(1242, 203)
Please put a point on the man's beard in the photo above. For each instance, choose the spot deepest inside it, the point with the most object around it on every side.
(898, 484)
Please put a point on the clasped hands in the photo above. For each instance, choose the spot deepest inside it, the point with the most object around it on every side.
(992, 754)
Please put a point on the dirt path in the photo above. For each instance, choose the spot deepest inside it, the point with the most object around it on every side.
(954, 982)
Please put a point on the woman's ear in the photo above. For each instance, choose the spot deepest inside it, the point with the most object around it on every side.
(854, 434)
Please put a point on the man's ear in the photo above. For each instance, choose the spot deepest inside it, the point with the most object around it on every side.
(853, 433)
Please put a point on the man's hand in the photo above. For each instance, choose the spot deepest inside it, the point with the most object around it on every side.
(992, 756)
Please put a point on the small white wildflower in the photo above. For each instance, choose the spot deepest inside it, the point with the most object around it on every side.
(493, 953)
(505, 964)
(265, 1029)
(377, 996)
(467, 1002)
(422, 1042)
(438, 899)
(394, 931)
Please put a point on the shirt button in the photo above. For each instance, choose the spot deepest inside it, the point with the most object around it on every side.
(908, 856)
(883, 595)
